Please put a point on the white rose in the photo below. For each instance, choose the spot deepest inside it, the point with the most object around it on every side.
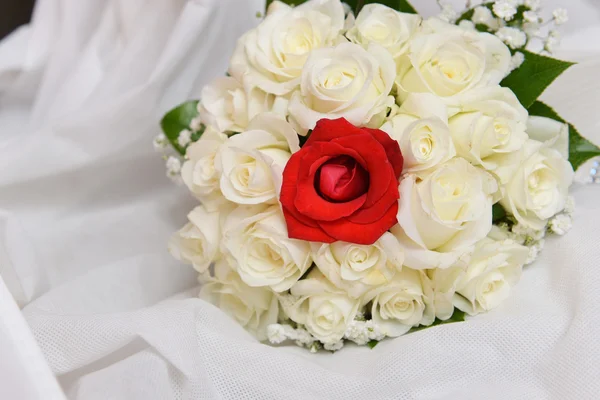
(323, 309)
(197, 243)
(226, 106)
(343, 81)
(380, 24)
(400, 304)
(443, 283)
(253, 308)
(199, 173)
(489, 130)
(539, 188)
(446, 60)
(272, 55)
(495, 267)
(443, 213)
(256, 244)
(421, 128)
(551, 133)
(357, 268)
(251, 163)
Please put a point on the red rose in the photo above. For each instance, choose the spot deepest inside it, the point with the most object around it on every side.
(342, 184)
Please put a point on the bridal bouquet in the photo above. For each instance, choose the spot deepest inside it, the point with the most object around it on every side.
(363, 172)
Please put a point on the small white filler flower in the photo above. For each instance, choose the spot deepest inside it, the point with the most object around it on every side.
(504, 9)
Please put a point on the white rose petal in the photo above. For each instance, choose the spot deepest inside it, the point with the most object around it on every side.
(197, 243)
(443, 284)
(251, 163)
(323, 309)
(443, 213)
(272, 56)
(380, 24)
(495, 267)
(401, 304)
(253, 308)
(227, 106)
(490, 129)
(199, 173)
(358, 268)
(552, 133)
(446, 60)
(539, 188)
(256, 244)
(420, 126)
(344, 81)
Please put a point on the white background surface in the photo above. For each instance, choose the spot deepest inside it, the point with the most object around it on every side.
(85, 212)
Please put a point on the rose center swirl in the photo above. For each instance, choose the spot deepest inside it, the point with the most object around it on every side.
(341, 179)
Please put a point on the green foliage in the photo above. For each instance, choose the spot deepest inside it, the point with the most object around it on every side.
(580, 149)
(498, 212)
(177, 120)
(372, 343)
(356, 5)
(457, 316)
(536, 73)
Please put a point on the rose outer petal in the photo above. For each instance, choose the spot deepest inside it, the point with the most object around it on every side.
(392, 149)
(328, 129)
(377, 210)
(347, 231)
(297, 229)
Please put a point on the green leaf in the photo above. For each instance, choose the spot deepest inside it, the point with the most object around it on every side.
(536, 73)
(457, 316)
(498, 212)
(372, 343)
(398, 5)
(177, 120)
(580, 149)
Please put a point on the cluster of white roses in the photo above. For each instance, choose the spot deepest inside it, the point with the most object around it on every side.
(467, 144)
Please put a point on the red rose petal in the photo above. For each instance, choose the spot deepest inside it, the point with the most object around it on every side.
(298, 230)
(377, 165)
(329, 129)
(347, 231)
(307, 200)
(378, 210)
(392, 149)
(342, 179)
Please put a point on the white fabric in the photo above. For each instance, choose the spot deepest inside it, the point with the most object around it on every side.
(85, 212)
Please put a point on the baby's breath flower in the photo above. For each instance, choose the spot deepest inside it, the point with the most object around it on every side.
(504, 9)
(531, 16)
(173, 165)
(570, 205)
(513, 37)
(334, 346)
(482, 15)
(552, 41)
(184, 138)
(276, 334)
(561, 224)
(532, 4)
(448, 12)
(516, 60)
(560, 16)
(534, 251)
(196, 124)
(160, 142)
